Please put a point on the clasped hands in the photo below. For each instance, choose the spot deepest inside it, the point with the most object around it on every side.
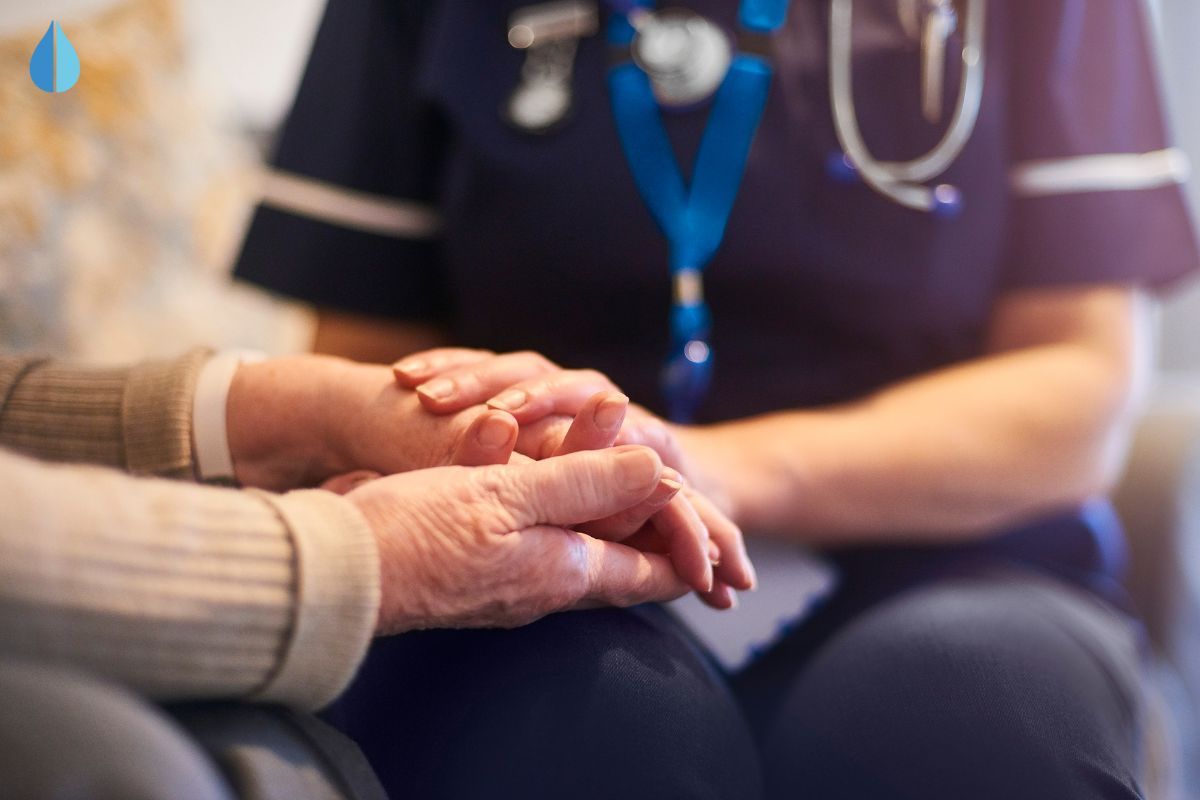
(513, 488)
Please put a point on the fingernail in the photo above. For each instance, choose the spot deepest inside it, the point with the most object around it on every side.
(439, 389)
(733, 601)
(714, 553)
(411, 365)
(663, 493)
(494, 432)
(638, 467)
(672, 475)
(610, 412)
(509, 401)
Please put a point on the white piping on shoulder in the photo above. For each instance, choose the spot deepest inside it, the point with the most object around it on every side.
(1119, 172)
(325, 202)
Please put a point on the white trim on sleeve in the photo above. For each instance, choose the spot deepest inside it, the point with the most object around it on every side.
(337, 205)
(1117, 172)
(210, 436)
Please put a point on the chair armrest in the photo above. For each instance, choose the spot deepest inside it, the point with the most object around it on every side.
(1158, 499)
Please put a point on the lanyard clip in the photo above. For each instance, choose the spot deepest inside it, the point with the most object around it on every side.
(687, 374)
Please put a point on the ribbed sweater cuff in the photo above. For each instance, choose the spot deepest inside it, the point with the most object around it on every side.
(156, 416)
(337, 598)
(137, 419)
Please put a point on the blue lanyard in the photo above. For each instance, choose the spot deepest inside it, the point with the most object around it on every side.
(692, 219)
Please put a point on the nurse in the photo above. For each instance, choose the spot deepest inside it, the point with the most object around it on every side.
(938, 402)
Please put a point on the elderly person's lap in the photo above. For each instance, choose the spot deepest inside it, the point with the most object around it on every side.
(601, 704)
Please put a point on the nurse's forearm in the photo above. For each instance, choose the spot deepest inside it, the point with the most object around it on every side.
(961, 452)
(372, 340)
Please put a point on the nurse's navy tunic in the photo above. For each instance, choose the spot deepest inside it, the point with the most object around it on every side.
(399, 190)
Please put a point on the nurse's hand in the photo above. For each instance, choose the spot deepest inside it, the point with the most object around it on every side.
(543, 397)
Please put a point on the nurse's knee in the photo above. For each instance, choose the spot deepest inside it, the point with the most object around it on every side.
(981, 689)
(63, 734)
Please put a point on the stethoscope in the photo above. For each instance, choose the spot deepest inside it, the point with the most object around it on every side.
(676, 59)
(905, 182)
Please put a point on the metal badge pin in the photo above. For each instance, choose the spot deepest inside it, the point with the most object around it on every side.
(549, 34)
(941, 20)
(685, 55)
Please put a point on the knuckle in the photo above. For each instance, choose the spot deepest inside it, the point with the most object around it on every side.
(536, 360)
(595, 376)
(493, 497)
(543, 580)
(571, 572)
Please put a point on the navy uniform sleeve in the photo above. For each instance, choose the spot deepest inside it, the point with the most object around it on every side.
(348, 217)
(1097, 186)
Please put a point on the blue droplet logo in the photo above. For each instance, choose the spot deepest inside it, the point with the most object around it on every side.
(55, 64)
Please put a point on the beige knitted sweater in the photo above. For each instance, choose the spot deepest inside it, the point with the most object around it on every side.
(174, 589)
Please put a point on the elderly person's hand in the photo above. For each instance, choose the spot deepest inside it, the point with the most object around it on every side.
(544, 398)
(498, 546)
(663, 523)
(298, 421)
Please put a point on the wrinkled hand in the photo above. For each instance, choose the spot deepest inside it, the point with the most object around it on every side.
(662, 523)
(544, 398)
(497, 546)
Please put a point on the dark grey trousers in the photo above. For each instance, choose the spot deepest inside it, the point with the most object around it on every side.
(67, 735)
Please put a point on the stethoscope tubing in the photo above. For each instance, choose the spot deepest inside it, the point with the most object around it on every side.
(903, 181)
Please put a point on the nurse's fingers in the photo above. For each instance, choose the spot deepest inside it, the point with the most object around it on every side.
(464, 386)
(734, 567)
(411, 371)
(560, 392)
(621, 576)
(626, 523)
(597, 424)
(543, 438)
(687, 537)
(650, 540)
(489, 439)
(677, 531)
(722, 597)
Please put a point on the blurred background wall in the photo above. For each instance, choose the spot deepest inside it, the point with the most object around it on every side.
(122, 207)
(1180, 27)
